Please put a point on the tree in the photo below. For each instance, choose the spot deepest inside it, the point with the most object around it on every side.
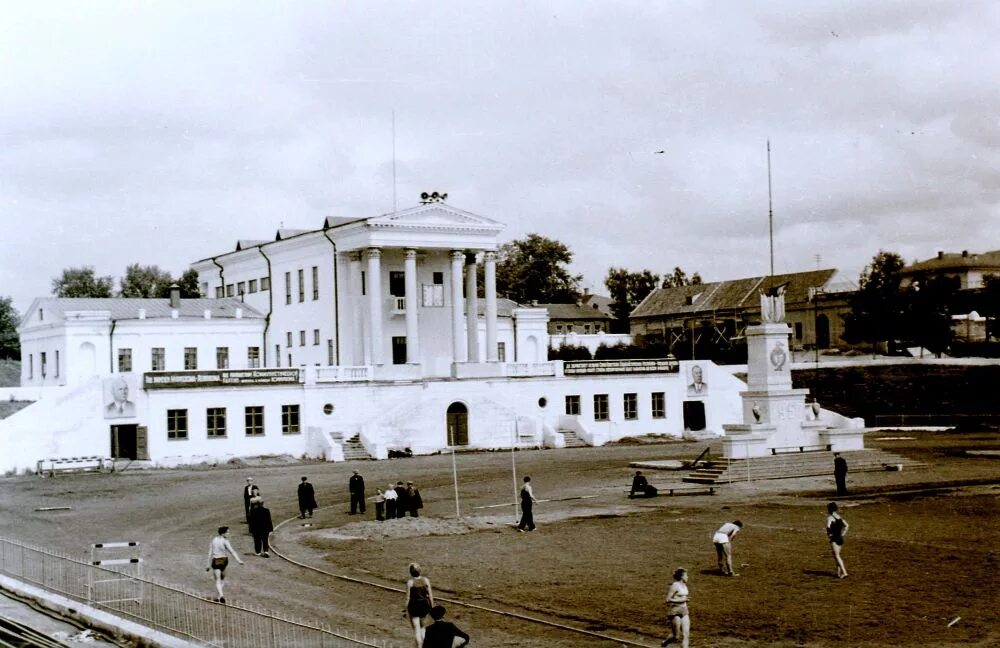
(533, 269)
(81, 282)
(10, 342)
(628, 289)
(929, 312)
(188, 282)
(991, 305)
(878, 306)
(679, 278)
(145, 281)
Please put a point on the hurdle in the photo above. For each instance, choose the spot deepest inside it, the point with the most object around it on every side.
(125, 565)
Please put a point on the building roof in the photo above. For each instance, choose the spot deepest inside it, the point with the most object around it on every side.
(243, 244)
(505, 307)
(597, 302)
(956, 261)
(122, 308)
(732, 295)
(572, 312)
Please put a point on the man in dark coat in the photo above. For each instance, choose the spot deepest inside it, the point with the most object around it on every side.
(261, 527)
(840, 473)
(402, 500)
(356, 484)
(247, 494)
(641, 486)
(413, 500)
(307, 499)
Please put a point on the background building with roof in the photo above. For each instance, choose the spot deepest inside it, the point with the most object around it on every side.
(686, 317)
(968, 267)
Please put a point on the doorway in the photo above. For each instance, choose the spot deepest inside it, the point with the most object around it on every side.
(823, 332)
(399, 350)
(458, 424)
(129, 442)
(694, 415)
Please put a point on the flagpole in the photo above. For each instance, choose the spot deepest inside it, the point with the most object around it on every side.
(770, 214)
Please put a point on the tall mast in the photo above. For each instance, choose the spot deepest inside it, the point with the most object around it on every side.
(770, 215)
(394, 161)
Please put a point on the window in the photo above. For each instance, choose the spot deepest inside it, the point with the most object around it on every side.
(41, 314)
(315, 283)
(288, 287)
(363, 283)
(600, 407)
(221, 357)
(277, 355)
(397, 283)
(329, 352)
(438, 278)
(220, 292)
(253, 357)
(42, 362)
(190, 358)
(558, 327)
(798, 330)
(229, 290)
(288, 340)
(659, 405)
(631, 402)
(203, 291)
(241, 288)
(31, 366)
(177, 424)
(215, 422)
(502, 351)
(265, 283)
(432, 296)
(289, 359)
(315, 337)
(573, 405)
(289, 419)
(158, 358)
(252, 286)
(124, 360)
(254, 415)
(302, 285)
(57, 363)
(302, 338)
(586, 328)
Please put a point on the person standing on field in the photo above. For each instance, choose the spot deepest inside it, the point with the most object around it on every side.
(219, 550)
(836, 529)
(677, 610)
(390, 502)
(527, 502)
(840, 473)
(307, 499)
(261, 527)
(722, 539)
(356, 484)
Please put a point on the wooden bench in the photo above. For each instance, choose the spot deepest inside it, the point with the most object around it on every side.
(686, 489)
(73, 464)
(803, 448)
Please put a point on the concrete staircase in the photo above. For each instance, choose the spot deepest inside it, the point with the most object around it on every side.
(572, 440)
(787, 466)
(354, 450)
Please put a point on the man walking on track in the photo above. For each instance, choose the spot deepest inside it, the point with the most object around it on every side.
(307, 499)
(527, 501)
(218, 559)
(840, 473)
(356, 485)
(724, 546)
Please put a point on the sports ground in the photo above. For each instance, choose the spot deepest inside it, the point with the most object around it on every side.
(921, 551)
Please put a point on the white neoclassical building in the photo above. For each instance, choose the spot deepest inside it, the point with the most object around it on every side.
(363, 336)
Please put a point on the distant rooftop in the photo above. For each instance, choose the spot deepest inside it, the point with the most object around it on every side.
(123, 308)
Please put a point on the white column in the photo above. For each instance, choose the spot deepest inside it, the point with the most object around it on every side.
(472, 307)
(412, 344)
(490, 272)
(356, 321)
(457, 344)
(374, 288)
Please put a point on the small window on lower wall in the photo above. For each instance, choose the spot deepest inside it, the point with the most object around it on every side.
(573, 405)
(254, 415)
(601, 407)
(631, 406)
(290, 419)
(177, 424)
(215, 422)
(659, 405)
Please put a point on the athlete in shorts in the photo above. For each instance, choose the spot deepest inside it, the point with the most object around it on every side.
(722, 539)
(218, 559)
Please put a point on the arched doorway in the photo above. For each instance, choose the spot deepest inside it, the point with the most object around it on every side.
(822, 332)
(458, 424)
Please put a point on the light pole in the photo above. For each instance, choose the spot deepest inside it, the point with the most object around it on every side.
(454, 468)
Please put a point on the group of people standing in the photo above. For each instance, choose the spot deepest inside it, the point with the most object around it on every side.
(398, 500)
(678, 593)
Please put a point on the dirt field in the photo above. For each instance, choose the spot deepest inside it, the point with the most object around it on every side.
(921, 549)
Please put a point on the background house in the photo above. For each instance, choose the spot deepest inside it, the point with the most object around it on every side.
(968, 267)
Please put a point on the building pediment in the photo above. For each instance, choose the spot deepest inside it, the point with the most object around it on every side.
(435, 216)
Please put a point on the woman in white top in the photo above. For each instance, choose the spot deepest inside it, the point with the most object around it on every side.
(218, 559)
(677, 610)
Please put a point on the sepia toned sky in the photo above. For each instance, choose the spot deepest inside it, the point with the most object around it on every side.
(634, 132)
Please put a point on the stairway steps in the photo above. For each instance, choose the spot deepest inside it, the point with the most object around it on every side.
(789, 466)
(572, 440)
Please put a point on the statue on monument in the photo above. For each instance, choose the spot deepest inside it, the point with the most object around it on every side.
(772, 304)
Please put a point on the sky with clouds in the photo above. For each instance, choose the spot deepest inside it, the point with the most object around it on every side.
(161, 132)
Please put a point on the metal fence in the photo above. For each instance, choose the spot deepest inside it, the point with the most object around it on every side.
(167, 608)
